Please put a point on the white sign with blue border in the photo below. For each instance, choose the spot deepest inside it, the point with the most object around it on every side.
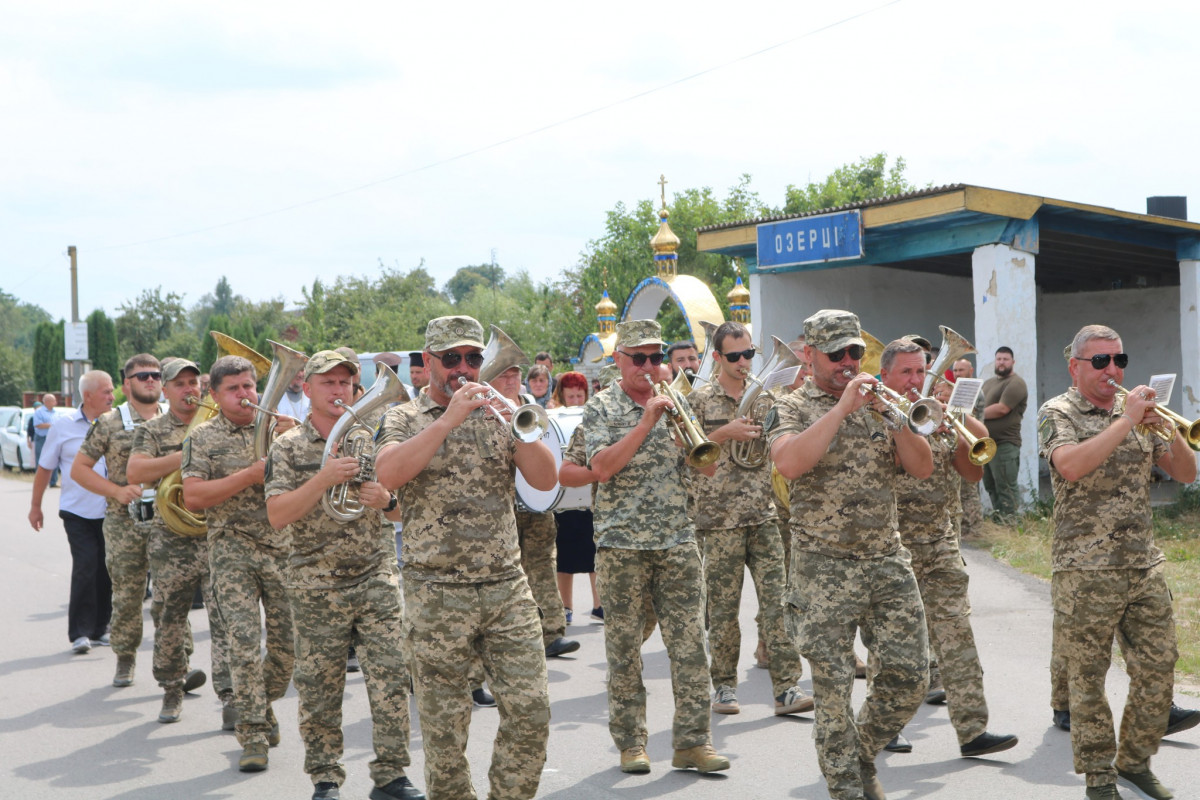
(810, 240)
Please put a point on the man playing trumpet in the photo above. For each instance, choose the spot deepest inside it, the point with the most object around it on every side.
(1107, 570)
(849, 570)
(737, 528)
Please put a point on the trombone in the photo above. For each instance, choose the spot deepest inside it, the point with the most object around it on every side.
(701, 452)
(1171, 420)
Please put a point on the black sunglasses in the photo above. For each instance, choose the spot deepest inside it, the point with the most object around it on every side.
(1101, 361)
(453, 359)
(738, 356)
(856, 351)
(157, 376)
(640, 359)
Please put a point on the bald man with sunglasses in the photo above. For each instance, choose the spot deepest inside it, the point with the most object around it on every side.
(1107, 570)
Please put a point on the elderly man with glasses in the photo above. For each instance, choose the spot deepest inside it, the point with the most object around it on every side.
(125, 535)
(1107, 571)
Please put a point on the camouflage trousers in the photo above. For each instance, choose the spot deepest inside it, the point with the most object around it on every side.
(1090, 606)
(672, 580)
(943, 581)
(537, 534)
(244, 576)
(447, 626)
(726, 556)
(125, 556)
(179, 565)
(829, 599)
(324, 621)
(972, 508)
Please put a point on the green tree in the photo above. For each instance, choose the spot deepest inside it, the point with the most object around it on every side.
(48, 356)
(868, 178)
(16, 375)
(18, 321)
(467, 279)
(102, 342)
(149, 321)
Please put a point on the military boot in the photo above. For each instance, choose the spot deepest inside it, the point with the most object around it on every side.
(703, 757)
(124, 674)
(172, 707)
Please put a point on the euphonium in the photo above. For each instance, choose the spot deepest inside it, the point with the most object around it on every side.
(1171, 420)
(756, 402)
(701, 452)
(169, 499)
(286, 363)
(530, 421)
(353, 435)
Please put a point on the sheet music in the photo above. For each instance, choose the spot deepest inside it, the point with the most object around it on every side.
(1163, 385)
(965, 392)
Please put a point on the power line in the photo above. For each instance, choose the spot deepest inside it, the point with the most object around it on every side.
(511, 139)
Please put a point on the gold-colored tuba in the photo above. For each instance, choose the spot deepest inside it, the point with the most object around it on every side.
(169, 495)
(756, 402)
(284, 366)
(354, 435)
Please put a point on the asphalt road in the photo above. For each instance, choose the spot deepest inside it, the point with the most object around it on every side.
(65, 732)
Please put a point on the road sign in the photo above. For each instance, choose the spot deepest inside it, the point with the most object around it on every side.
(810, 240)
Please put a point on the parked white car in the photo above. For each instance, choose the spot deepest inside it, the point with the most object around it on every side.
(14, 441)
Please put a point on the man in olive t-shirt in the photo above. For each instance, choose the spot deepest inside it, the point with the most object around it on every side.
(1004, 399)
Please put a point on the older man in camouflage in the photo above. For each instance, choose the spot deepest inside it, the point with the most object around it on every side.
(465, 594)
(646, 550)
(342, 584)
(849, 569)
(111, 438)
(178, 560)
(926, 512)
(1107, 570)
(223, 477)
(737, 526)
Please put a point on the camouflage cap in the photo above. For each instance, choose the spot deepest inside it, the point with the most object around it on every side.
(638, 332)
(325, 360)
(446, 333)
(175, 366)
(832, 329)
(917, 338)
(608, 374)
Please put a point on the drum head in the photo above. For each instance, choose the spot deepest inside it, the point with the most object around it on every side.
(563, 422)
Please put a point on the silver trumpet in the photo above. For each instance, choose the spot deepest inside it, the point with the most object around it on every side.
(529, 422)
(922, 417)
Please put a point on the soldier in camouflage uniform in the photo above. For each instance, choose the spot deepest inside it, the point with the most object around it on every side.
(178, 562)
(646, 549)
(849, 570)
(926, 510)
(1107, 570)
(223, 477)
(111, 438)
(536, 533)
(464, 592)
(342, 583)
(738, 529)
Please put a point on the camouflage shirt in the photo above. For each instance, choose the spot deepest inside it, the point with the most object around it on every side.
(109, 440)
(926, 508)
(325, 553)
(1102, 520)
(459, 525)
(845, 506)
(734, 497)
(645, 505)
(215, 450)
(156, 438)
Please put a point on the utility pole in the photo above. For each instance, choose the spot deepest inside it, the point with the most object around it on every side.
(75, 365)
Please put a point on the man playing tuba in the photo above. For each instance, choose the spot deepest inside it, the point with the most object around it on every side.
(178, 562)
(737, 527)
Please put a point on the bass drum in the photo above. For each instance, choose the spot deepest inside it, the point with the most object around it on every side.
(563, 422)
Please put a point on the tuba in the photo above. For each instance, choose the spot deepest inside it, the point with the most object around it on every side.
(354, 435)
(169, 495)
(756, 402)
(286, 363)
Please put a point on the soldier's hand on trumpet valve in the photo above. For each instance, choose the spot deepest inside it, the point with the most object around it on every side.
(1139, 406)
(465, 400)
(656, 406)
(338, 470)
(741, 429)
(858, 393)
(374, 495)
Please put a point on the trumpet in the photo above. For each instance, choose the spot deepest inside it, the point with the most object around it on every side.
(922, 417)
(955, 346)
(701, 452)
(529, 422)
(981, 449)
(1171, 420)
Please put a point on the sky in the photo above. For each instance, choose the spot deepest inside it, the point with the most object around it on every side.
(278, 143)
